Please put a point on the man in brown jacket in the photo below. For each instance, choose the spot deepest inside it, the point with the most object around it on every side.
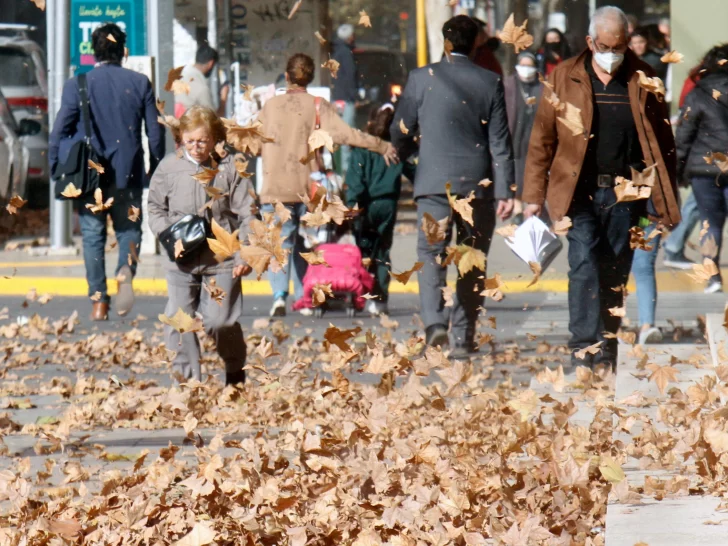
(594, 123)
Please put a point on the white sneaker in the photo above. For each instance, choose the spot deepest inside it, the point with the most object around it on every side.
(279, 308)
(714, 287)
(306, 311)
(651, 335)
(371, 308)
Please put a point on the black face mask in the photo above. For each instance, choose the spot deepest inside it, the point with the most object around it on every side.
(552, 51)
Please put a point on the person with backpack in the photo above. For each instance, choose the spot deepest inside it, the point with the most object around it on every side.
(703, 129)
(375, 187)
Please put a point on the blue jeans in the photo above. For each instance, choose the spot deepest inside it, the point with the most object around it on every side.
(711, 193)
(675, 243)
(293, 242)
(600, 259)
(349, 117)
(643, 269)
(93, 233)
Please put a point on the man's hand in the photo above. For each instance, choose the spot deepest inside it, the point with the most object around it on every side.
(241, 271)
(505, 209)
(532, 210)
(391, 157)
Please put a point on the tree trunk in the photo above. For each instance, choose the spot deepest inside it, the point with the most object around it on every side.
(437, 13)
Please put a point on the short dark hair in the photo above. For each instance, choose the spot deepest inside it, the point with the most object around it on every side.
(106, 49)
(461, 31)
(205, 54)
(300, 69)
(380, 118)
(714, 60)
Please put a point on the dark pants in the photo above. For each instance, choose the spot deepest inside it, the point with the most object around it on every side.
(712, 197)
(374, 238)
(600, 259)
(467, 301)
(93, 233)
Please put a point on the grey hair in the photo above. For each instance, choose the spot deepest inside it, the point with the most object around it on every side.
(344, 32)
(607, 12)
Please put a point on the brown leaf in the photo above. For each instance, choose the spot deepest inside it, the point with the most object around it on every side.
(225, 244)
(314, 258)
(493, 288)
(16, 202)
(447, 293)
(182, 322)
(507, 231)
(561, 227)
(201, 534)
(320, 38)
(403, 127)
(516, 35)
(294, 9)
(242, 167)
(133, 213)
(461, 206)
(662, 375)
(716, 94)
(180, 87)
(160, 106)
(320, 292)
(485, 182)
(572, 119)
(652, 85)
(592, 350)
(672, 57)
(404, 277)
(99, 204)
(216, 293)
(536, 269)
(626, 191)
(40, 4)
(704, 272)
(247, 90)
(283, 213)
(434, 230)
(95, 166)
(178, 248)
(70, 191)
(172, 76)
(97, 295)
(246, 140)
(718, 159)
(364, 19)
(205, 175)
(339, 337)
(618, 311)
(332, 65)
(67, 528)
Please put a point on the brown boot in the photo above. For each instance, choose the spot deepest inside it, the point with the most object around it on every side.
(125, 295)
(100, 311)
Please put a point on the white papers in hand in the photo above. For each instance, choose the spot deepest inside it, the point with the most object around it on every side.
(534, 242)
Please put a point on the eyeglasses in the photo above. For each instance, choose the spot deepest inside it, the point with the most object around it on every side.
(603, 49)
(196, 143)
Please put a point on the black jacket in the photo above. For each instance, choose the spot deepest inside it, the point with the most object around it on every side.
(702, 127)
(346, 85)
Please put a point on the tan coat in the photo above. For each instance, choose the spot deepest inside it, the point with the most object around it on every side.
(289, 120)
(555, 156)
(173, 193)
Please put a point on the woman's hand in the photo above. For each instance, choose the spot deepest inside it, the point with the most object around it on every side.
(242, 270)
(391, 157)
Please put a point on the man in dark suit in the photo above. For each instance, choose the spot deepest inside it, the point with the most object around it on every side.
(120, 100)
(455, 111)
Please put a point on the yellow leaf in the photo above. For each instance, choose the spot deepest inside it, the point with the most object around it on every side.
(561, 227)
(610, 470)
(470, 258)
(225, 244)
(282, 212)
(70, 192)
(493, 288)
(716, 94)
(314, 258)
(403, 127)
(508, 231)
(364, 19)
(525, 404)
(404, 277)
(99, 204)
(434, 230)
(182, 322)
(662, 375)
(572, 119)
(16, 202)
(333, 66)
(93, 165)
(461, 206)
(246, 140)
(652, 85)
(516, 35)
(672, 57)
(205, 176)
(320, 139)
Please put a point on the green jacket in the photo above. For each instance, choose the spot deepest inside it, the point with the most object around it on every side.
(369, 178)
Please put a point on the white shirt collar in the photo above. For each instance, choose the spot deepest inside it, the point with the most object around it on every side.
(458, 55)
(189, 158)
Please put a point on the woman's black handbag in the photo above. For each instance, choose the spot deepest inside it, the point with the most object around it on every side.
(76, 169)
(192, 230)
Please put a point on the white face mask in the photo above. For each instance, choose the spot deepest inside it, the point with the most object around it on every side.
(526, 73)
(610, 61)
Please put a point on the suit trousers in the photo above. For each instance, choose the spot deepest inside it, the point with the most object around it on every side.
(467, 301)
(600, 259)
(220, 320)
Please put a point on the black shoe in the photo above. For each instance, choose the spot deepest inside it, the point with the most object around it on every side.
(587, 361)
(463, 352)
(436, 335)
(235, 378)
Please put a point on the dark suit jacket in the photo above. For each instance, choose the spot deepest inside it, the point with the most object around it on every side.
(119, 100)
(459, 112)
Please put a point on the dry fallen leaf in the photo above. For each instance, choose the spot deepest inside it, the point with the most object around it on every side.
(96, 296)
(205, 175)
(160, 106)
(200, 535)
(662, 375)
(572, 119)
(320, 293)
(172, 76)
(561, 227)
(610, 470)
(364, 19)
(225, 244)
(404, 277)
(672, 57)
(337, 337)
(294, 9)
(216, 293)
(133, 213)
(716, 94)
(530, 101)
(403, 127)
(485, 182)
(447, 293)
(333, 66)
(719, 159)
(16, 202)
(71, 192)
(434, 230)
(462, 206)
(314, 258)
(516, 35)
(99, 204)
(507, 231)
(626, 191)
(592, 350)
(242, 167)
(652, 85)
(466, 258)
(40, 4)
(182, 322)
(704, 272)
(320, 38)
(536, 269)
(618, 311)
(95, 166)
(179, 248)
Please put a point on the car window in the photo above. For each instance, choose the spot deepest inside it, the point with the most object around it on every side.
(379, 69)
(16, 68)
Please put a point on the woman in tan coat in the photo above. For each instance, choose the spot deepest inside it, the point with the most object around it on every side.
(289, 120)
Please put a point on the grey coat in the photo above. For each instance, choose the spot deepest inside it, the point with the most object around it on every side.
(459, 112)
(173, 193)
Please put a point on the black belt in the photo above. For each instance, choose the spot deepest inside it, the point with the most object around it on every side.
(605, 181)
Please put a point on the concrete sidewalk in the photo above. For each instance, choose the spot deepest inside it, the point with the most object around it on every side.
(29, 267)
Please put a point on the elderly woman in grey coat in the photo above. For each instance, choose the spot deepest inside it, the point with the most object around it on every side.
(203, 282)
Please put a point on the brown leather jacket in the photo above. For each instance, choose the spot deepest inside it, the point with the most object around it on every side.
(555, 156)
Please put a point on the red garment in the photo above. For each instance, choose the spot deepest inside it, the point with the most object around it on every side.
(550, 68)
(344, 272)
(485, 58)
(688, 86)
